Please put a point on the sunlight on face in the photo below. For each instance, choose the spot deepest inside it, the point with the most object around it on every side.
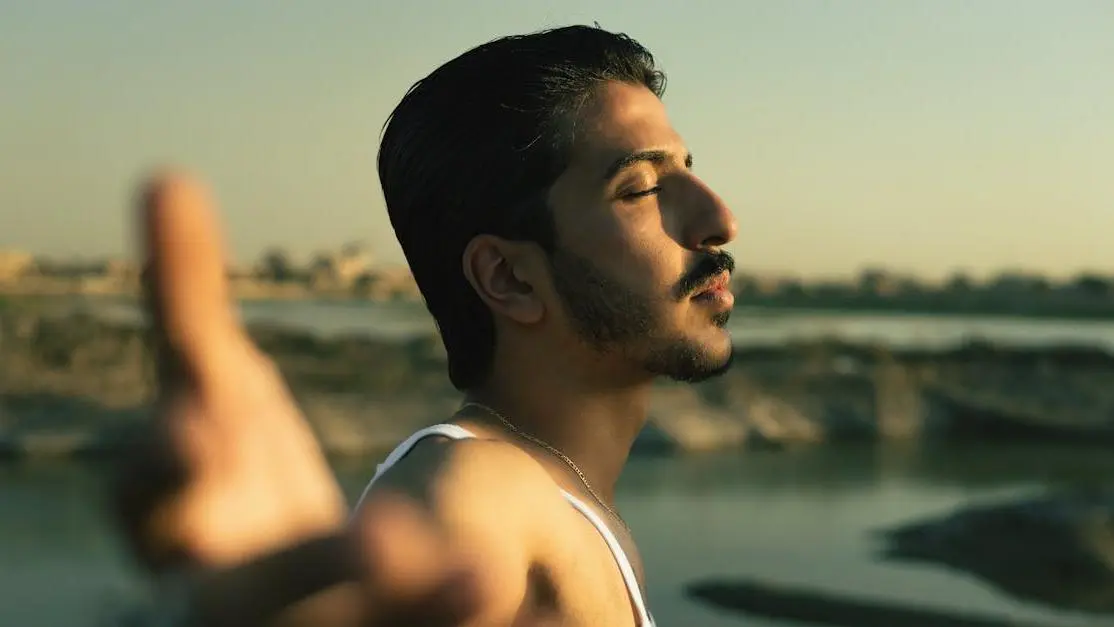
(639, 269)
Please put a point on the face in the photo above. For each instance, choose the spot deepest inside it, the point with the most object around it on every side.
(639, 270)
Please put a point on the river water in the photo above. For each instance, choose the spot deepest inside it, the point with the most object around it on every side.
(801, 518)
(748, 326)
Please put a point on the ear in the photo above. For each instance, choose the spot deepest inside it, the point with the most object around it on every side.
(503, 275)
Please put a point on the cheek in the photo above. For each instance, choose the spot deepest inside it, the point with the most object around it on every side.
(641, 253)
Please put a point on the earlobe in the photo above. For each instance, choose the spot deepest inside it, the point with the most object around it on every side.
(496, 271)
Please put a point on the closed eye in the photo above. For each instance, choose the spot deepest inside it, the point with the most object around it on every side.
(641, 194)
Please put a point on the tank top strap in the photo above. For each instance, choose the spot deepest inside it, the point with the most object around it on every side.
(624, 563)
(456, 432)
(445, 430)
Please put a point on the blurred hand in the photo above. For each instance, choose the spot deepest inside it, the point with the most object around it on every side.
(252, 476)
(230, 470)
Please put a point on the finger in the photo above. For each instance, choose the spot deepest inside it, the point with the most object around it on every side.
(190, 304)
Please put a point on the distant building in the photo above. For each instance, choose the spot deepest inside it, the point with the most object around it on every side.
(339, 270)
(121, 269)
(15, 264)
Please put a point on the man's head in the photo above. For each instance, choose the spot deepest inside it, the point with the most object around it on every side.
(540, 195)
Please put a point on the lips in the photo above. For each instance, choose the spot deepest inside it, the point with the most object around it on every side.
(719, 282)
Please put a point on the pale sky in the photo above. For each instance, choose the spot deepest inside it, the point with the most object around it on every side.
(926, 135)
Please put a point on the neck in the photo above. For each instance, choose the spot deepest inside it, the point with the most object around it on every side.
(594, 425)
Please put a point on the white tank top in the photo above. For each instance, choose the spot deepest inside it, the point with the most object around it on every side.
(456, 432)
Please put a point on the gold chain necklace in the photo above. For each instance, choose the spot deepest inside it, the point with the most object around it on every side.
(552, 449)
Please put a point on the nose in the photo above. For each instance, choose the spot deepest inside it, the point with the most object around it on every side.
(709, 222)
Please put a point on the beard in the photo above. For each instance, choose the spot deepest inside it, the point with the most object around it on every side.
(611, 317)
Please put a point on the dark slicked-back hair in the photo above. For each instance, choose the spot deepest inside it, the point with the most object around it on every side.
(474, 147)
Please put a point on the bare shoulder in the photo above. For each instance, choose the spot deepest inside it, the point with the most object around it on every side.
(474, 475)
(484, 498)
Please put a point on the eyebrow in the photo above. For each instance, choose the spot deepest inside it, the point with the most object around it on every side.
(656, 157)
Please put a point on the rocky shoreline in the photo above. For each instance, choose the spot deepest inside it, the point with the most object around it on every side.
(1053, 549)
(69, 386)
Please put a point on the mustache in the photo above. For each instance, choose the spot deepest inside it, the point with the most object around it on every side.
(709, 265)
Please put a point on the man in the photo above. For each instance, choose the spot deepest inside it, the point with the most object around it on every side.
(570, 256)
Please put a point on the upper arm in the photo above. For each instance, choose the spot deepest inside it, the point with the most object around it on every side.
(479, 499)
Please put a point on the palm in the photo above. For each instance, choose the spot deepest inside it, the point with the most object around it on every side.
(261, 480)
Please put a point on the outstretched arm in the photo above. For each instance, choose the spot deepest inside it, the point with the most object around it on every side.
(229, 488)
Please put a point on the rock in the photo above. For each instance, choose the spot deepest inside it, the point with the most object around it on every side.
(1057, 550)
(816, 607)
